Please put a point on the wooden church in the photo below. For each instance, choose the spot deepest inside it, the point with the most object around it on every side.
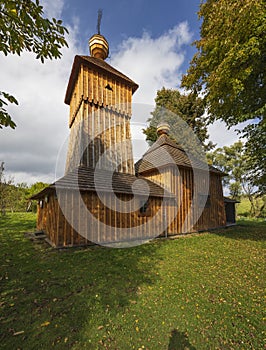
(104, 198)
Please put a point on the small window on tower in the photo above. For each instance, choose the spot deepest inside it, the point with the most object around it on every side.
(109, 87)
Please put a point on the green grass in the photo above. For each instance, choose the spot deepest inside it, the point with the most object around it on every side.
(199, 292)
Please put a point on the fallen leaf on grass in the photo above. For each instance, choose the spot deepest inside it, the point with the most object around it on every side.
(44, 324)
(18, 333)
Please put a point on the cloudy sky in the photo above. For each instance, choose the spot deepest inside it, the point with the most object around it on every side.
(150, 41)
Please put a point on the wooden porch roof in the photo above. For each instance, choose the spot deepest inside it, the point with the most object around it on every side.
(83, 179)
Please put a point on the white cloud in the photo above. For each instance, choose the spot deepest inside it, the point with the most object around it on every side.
(52, 8)
(153, 62)
(30, 151)
(222, 136)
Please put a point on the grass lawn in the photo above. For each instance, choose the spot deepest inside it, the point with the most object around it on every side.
(199, 292)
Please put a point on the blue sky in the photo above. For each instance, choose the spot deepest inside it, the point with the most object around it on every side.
(150, 41)
(123, 19)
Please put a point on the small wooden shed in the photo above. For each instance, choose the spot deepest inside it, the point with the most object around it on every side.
(230, 210)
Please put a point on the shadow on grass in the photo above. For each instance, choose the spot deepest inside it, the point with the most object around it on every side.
(179, 341)
(254, 230)
(62, 298)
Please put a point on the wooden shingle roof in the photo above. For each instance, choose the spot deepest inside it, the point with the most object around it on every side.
(229, 200)
(165, 152)
(83, 179)
(101, 66)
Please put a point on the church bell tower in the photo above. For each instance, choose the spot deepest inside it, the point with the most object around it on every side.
(100, 100)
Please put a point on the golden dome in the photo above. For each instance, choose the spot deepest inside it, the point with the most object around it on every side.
(163, 128)
(99, 47)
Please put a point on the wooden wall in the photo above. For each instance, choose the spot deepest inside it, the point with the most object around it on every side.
(117, 226)
(183, 214)
(214, 215)
(101, 118)
(91, 86)
(189, 216)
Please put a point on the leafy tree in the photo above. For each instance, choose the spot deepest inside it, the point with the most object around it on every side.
(230, 160)
(12, 197)
(17, 197)
(23, 28)
(256, 151)
(235, 161)
(171, 104)
(4, 190)
(229, 69)
(34, 189)
(230, 62)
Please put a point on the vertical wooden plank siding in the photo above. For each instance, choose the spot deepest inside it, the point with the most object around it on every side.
(182, 184)
(90, 87)
(62, 234)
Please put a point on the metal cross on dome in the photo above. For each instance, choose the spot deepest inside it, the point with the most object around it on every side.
(100, 14)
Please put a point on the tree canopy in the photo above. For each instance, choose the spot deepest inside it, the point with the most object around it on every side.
(232, 160)
(230, 62)
(16, 197)
(170, 105)
(255, 148)
(236, 162)
(24, 28)
(229, 69)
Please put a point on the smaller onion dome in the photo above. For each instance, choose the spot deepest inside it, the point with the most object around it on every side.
(163, 128)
